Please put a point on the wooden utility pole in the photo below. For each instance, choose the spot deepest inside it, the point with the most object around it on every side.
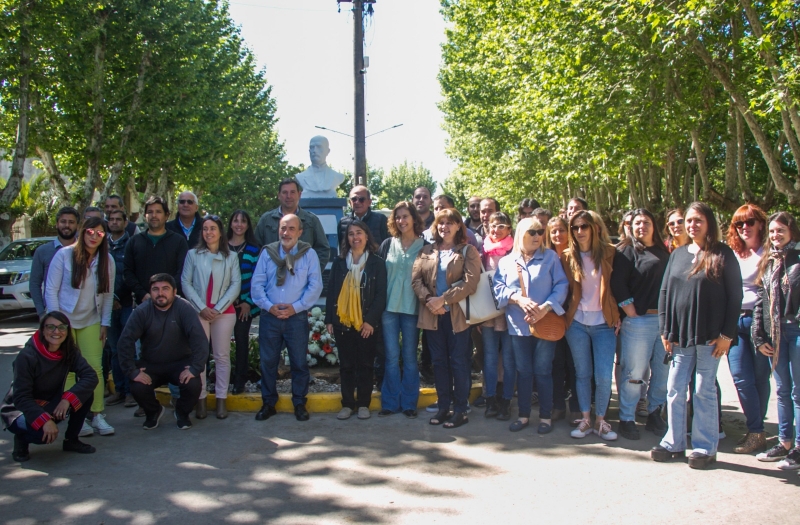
(359, 71)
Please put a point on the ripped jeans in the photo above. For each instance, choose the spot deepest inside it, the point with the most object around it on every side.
(642, 352)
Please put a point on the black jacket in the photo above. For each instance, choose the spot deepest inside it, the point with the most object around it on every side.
(39, 379)
(762, 322)
(194, 237)
(143, 260)
(375, 221)
(373, 291)
(122, 292)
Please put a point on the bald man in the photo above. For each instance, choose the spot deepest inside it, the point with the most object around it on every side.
(286, 283)
(361, 204)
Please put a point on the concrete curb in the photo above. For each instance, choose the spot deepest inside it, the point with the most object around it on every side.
(319, 402)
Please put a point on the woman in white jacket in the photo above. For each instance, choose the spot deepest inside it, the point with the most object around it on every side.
(80, 283)
(211, 281)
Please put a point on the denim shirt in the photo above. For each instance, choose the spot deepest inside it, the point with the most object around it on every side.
(301, 290)
(546, 283)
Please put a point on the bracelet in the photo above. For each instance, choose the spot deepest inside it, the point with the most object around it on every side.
(626, 302)
(725, 338)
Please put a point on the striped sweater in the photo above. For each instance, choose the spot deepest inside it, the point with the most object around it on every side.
(248, 258)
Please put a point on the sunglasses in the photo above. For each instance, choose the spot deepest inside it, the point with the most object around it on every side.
(674, 223)
(212, 217)
(185, 201)
(95, 233)
(534, 233)
(740, 224)
(52, 328)
(580, 227)
(359, 200)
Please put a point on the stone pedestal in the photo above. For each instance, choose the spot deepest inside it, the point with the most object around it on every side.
(330, 211)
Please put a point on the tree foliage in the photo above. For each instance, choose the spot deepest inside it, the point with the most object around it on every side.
(630, 103)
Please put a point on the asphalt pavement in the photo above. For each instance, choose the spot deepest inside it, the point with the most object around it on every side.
(381, 470)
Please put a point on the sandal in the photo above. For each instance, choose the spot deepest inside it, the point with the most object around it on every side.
(440, 417)
(458, 419)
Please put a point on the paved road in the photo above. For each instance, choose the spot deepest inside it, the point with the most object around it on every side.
(390, 470)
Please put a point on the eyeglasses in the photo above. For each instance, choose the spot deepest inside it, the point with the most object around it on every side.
(499, 226)
(580, 227)
(52, 328)
(740, 224)
(674, 223)
(359, 200)
(534, 233)
(212, 217)
(185, 201)
(95, 233)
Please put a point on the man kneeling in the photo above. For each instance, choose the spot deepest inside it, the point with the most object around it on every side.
(174, 350)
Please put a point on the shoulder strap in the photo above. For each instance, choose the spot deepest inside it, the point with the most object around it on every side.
(521, 281)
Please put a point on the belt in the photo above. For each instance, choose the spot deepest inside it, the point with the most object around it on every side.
(746, 313)
(652, 311)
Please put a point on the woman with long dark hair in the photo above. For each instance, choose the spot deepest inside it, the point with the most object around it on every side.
(400, 392)
(80, 283)
(776, 332)
(636, 283)
(211, 281)
(242, 241)
(38, 399)
(592, 319)
(750, 368)
(444, 273)
(353, 308)
(699, 306)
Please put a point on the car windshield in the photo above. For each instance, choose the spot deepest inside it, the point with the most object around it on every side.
(21, 249)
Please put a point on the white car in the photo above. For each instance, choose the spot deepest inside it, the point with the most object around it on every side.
(15, 273)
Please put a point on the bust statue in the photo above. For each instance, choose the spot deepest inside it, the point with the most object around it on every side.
(319, 180)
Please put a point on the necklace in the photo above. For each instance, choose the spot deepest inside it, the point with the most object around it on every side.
(238, 249)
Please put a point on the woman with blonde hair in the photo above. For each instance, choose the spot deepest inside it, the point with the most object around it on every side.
(529, 282)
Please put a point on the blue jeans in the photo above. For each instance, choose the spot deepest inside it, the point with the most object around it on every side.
(451, 354)
(400, 391)
(533, 357)
(750, 370)
(273, 334)
(493, 342)
(787, 377)
(585, 342)
(642, 351)
(705, 423)
(118, 320)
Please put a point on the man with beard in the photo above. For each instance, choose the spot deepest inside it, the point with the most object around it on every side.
(473, 220)
(67, 220)
(174, 350)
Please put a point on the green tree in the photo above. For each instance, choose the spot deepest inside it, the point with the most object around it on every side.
(399, 184)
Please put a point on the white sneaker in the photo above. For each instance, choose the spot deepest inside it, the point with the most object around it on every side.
(583, 430)
(86, 430)
(363, 413)
(344, 413)
(603, 429)
(641, 408)
(100, 425)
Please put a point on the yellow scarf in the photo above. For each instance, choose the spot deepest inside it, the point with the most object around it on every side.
(349, 301)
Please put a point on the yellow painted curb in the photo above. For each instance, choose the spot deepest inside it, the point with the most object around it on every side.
(318, 402)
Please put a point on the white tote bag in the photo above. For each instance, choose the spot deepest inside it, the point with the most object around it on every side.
(481, 305)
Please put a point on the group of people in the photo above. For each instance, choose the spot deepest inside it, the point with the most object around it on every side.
(657, 312)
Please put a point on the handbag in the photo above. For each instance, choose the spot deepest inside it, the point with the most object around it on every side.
(481, 305)
(551, 327)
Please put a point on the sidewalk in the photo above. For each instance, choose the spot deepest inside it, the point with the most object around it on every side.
(387, 470)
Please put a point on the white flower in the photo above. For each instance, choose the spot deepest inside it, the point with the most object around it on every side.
(311, 361)
(313, 348)
(330, 358)
(316, 312)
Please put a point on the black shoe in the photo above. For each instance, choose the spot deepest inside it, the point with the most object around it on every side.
(20, 453)
(300, 413)
(698, 460)
(183, 422)
(139, 412)
(266, 412)
(491, 408)
(518, 425)
(76, 445)
(480, 402)
(410, 413)
(152, 422)
(237, 390)
(385, 412)
(458, 419)
(628, 430)
(504, 410)
(660, 454)
(655, 423)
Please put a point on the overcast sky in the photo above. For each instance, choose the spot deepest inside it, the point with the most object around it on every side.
(306, 48)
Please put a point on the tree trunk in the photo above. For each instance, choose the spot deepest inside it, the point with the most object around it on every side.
(741, 167)
(634, 200)
(56, 182)
(731, 155)
(93, 179)
(700, 154)
(116, 169)
(14, 183)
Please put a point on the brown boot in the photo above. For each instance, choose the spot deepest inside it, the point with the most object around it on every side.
(200, 411)
(222, 410)
(755, 442)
